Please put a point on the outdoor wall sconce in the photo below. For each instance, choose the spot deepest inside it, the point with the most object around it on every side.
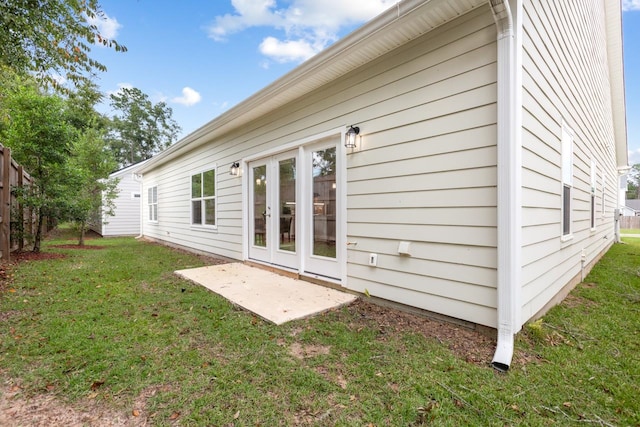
(350, 137)
(235, 169)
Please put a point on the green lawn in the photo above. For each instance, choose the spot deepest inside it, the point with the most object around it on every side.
(114, 326)
(630, 231)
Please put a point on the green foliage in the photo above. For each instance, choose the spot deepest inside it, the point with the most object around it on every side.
(115, 326)
(633, 182)
(61, 143)
(50, 38)
(40, 137)
(89, 191)
(140, 128)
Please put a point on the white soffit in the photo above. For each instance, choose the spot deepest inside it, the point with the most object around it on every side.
(406, 21)
(613, 13)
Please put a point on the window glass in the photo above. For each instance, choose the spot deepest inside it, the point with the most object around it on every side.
(203, 198)
(196, 212)
(196, 186)
(209, 183)
(152, 202)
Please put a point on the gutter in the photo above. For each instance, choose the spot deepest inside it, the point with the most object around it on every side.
(509, 145)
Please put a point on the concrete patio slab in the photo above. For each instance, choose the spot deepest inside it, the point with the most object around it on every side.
(273, 297)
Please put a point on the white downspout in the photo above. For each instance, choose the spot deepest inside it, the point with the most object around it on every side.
(509, 146)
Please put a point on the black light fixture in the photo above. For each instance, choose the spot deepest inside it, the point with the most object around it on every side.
(350, 137)
(235, 169)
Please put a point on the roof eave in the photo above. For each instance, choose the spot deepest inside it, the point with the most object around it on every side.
(613, 13)
(405, 21)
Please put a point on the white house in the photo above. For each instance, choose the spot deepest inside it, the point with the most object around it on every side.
(481, 182)
(127, 211)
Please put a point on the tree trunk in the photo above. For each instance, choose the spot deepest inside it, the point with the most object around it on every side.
(38, 238)
(82, 227)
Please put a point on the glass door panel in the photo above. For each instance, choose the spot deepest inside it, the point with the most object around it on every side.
(272, 210)
(287, 199)
(260, 207)
(324, 202)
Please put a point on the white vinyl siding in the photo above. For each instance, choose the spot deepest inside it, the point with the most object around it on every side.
(603, 194)
(592, 207)
(424, 171)
(565, 77)
(567, 180)
(127, 209)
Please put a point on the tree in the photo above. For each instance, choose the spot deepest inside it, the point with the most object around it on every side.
(40, 136)
(140, 128)
(88, 189)
(81, 107)
(52, 38)
(633, 182)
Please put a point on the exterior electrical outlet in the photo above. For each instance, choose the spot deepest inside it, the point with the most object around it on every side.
(373, 260)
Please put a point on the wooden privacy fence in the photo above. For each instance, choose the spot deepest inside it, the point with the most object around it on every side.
(15, 221)
(630, 222)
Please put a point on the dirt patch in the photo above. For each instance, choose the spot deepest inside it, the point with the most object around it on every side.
(76, 246)
(300, 351)
(575, 301)
(46, 410)
(468, 344)
(34, 256)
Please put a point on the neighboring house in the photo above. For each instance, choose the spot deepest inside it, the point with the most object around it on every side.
(482, 183)
(127, 213)
(627, 211)
(631, 208)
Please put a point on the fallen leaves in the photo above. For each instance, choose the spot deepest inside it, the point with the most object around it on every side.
(97, 384)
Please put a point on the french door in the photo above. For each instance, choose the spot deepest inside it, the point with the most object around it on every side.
(294, 212)
(272, 210)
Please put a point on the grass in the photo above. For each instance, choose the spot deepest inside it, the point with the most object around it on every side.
(630, 231)
(114, 326)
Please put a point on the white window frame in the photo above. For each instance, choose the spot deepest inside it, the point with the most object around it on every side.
(152, 204)
(202, 199)
(567, 181)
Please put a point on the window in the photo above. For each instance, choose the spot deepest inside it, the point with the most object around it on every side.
(567, 178)
(593, 195)
(203, 198)
(152, 202)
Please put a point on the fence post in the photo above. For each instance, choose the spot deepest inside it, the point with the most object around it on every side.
(5, 205)
(20, 210)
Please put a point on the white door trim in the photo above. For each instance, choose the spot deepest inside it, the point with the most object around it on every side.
(341, 179)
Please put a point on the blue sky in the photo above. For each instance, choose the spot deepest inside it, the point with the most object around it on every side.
(203, 57)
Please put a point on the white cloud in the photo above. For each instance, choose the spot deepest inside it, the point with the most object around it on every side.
(287, 51)
(222, 106)
(120, 87)
(189, 97)
(159, 97)
(634, 156)
(107, 27)
(59, 79)
(309, 26)
(628, 5)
